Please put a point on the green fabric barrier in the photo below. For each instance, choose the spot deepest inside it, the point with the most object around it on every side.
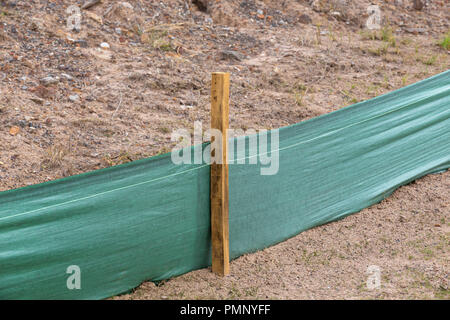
(340, 163)
(149, 219)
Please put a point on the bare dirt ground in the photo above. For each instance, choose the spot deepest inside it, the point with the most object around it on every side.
(69, 105)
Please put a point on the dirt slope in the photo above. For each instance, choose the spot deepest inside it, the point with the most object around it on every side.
(68, 106)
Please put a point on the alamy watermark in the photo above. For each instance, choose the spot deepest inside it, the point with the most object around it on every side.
(374, 278)
(255, 142)
(74, 280)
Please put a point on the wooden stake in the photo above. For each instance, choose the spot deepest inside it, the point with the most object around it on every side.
(220, 92)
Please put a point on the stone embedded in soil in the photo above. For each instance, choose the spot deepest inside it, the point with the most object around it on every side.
(89, 3)
(14, 130)
(37, 100)
(104, 45)
(67, 76)
(305, 19)
(418, 5)
(74, 98)
(415, 30)
(202, 5)
(264, 44)
(126, 5)
(82, 43)
(47, 81)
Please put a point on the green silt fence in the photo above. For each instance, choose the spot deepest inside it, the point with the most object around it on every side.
(149, 219)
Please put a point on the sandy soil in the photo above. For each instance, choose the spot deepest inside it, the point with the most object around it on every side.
(68, 106)
(407, 236)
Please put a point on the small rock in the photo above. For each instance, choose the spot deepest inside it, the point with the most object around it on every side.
(102, 54)
(418, 5)
(118, 30)
(231, 55)
(316, 5)
(82, 43)
(14, 130)
(89, 3)
(126, 5)
(415, 30)
(67, 76)
(47, 81)
(37, 100)
(305, 19)
(23, 123)
(201, 5)
(104, 45)
(74, 98)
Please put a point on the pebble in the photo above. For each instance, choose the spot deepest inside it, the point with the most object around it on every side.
(305, 19)
(186, 106)
(104, 45)
(49, 80)
(67, 76)
(74, 98)
(415, 30)
(37, 100)
(126, 5)
(231, 55)
(82, 43)
(118, 30)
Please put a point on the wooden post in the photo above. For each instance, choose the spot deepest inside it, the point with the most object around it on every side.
(220, 92)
